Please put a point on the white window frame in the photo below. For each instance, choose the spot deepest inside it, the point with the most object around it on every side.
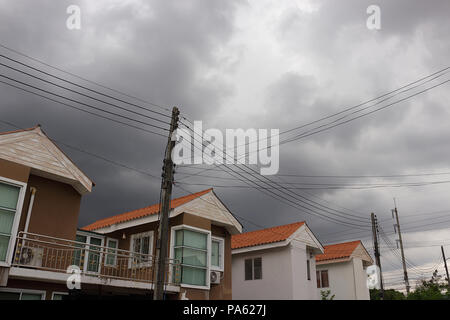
(21, 291)
(150, 249)
(60, 293)
(107, 248)
(208, 254)
(221, 253)
(86, 250)
(17, 216)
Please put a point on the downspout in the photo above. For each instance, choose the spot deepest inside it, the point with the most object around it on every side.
(30, 208)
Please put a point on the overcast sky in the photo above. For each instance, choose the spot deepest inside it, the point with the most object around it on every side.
(253, 64)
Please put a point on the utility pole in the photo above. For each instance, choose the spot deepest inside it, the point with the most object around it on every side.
(166, 193)
(405, 271)
(377, 250)
(445, 263)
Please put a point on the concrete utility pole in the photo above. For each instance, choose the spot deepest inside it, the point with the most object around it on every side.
(445, 263)
(405, 271)
(377, 250)
(166, 193)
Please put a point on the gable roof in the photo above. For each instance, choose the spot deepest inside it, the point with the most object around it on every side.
(143, 212)
(264, 236)
(340, 251)
(32, 148)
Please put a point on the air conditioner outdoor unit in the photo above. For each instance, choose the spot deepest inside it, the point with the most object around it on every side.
(215, 277)
(31, 256)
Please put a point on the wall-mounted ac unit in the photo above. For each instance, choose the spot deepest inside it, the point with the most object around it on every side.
(215, 277)
(31, 256)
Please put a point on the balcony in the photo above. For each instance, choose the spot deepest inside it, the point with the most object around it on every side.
(40, 256)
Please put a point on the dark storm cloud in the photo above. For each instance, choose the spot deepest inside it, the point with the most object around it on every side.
(206, 57)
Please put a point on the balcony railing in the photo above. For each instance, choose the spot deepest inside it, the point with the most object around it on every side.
(54, 254)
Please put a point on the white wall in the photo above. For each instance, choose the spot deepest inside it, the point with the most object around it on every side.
(347, 280)
(276, 282)
(303, 289)
(283, 275)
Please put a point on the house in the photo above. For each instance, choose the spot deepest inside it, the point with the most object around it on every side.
(199, 264)
(40, 195)
(42, 253)
(275, 263)
(342, 270)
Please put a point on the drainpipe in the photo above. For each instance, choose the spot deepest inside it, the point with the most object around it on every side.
(30, 208)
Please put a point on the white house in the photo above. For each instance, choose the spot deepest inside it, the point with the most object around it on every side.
(275, 263)
(342, 270)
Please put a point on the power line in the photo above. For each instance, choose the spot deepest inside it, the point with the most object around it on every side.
(78, 102)
(80, 93)
(84, 79)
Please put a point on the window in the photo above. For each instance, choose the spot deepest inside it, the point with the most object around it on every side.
(308, 269)
(92, 251)
(59, 295)
(322, 279)
(18, 294)
(253, 269)
(142, 246)
(217, 253)
(191, 250)
(9, 200)
(111, 256)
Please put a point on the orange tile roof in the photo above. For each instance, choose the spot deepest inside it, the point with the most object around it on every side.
(265, 236)
(140, 213)
(338, 251)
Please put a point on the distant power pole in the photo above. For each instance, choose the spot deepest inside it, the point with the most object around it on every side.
(166, 193)
(405, 271)
(377, 250)
(445, 263)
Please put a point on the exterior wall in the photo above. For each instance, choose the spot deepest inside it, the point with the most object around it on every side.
(284, 274)
(347, 280)
(303, 289)
(362, 292)
(276, 282)
(55, 210)
(340, 278)
(14, 171)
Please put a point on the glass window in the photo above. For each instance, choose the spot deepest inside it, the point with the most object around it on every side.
(5, 295)
(59, 296)
(9, 196)
(253, 269)
(94, 254)
(111, 257)
(308, 269)
(141, 245)
(324, 278)
(257, 268)
(9, 295)
(248, 269)
(190, 249)
(31, 296)
(215, 253)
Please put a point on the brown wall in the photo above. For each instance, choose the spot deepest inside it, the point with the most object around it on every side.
(55, 210)
(14, 171)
